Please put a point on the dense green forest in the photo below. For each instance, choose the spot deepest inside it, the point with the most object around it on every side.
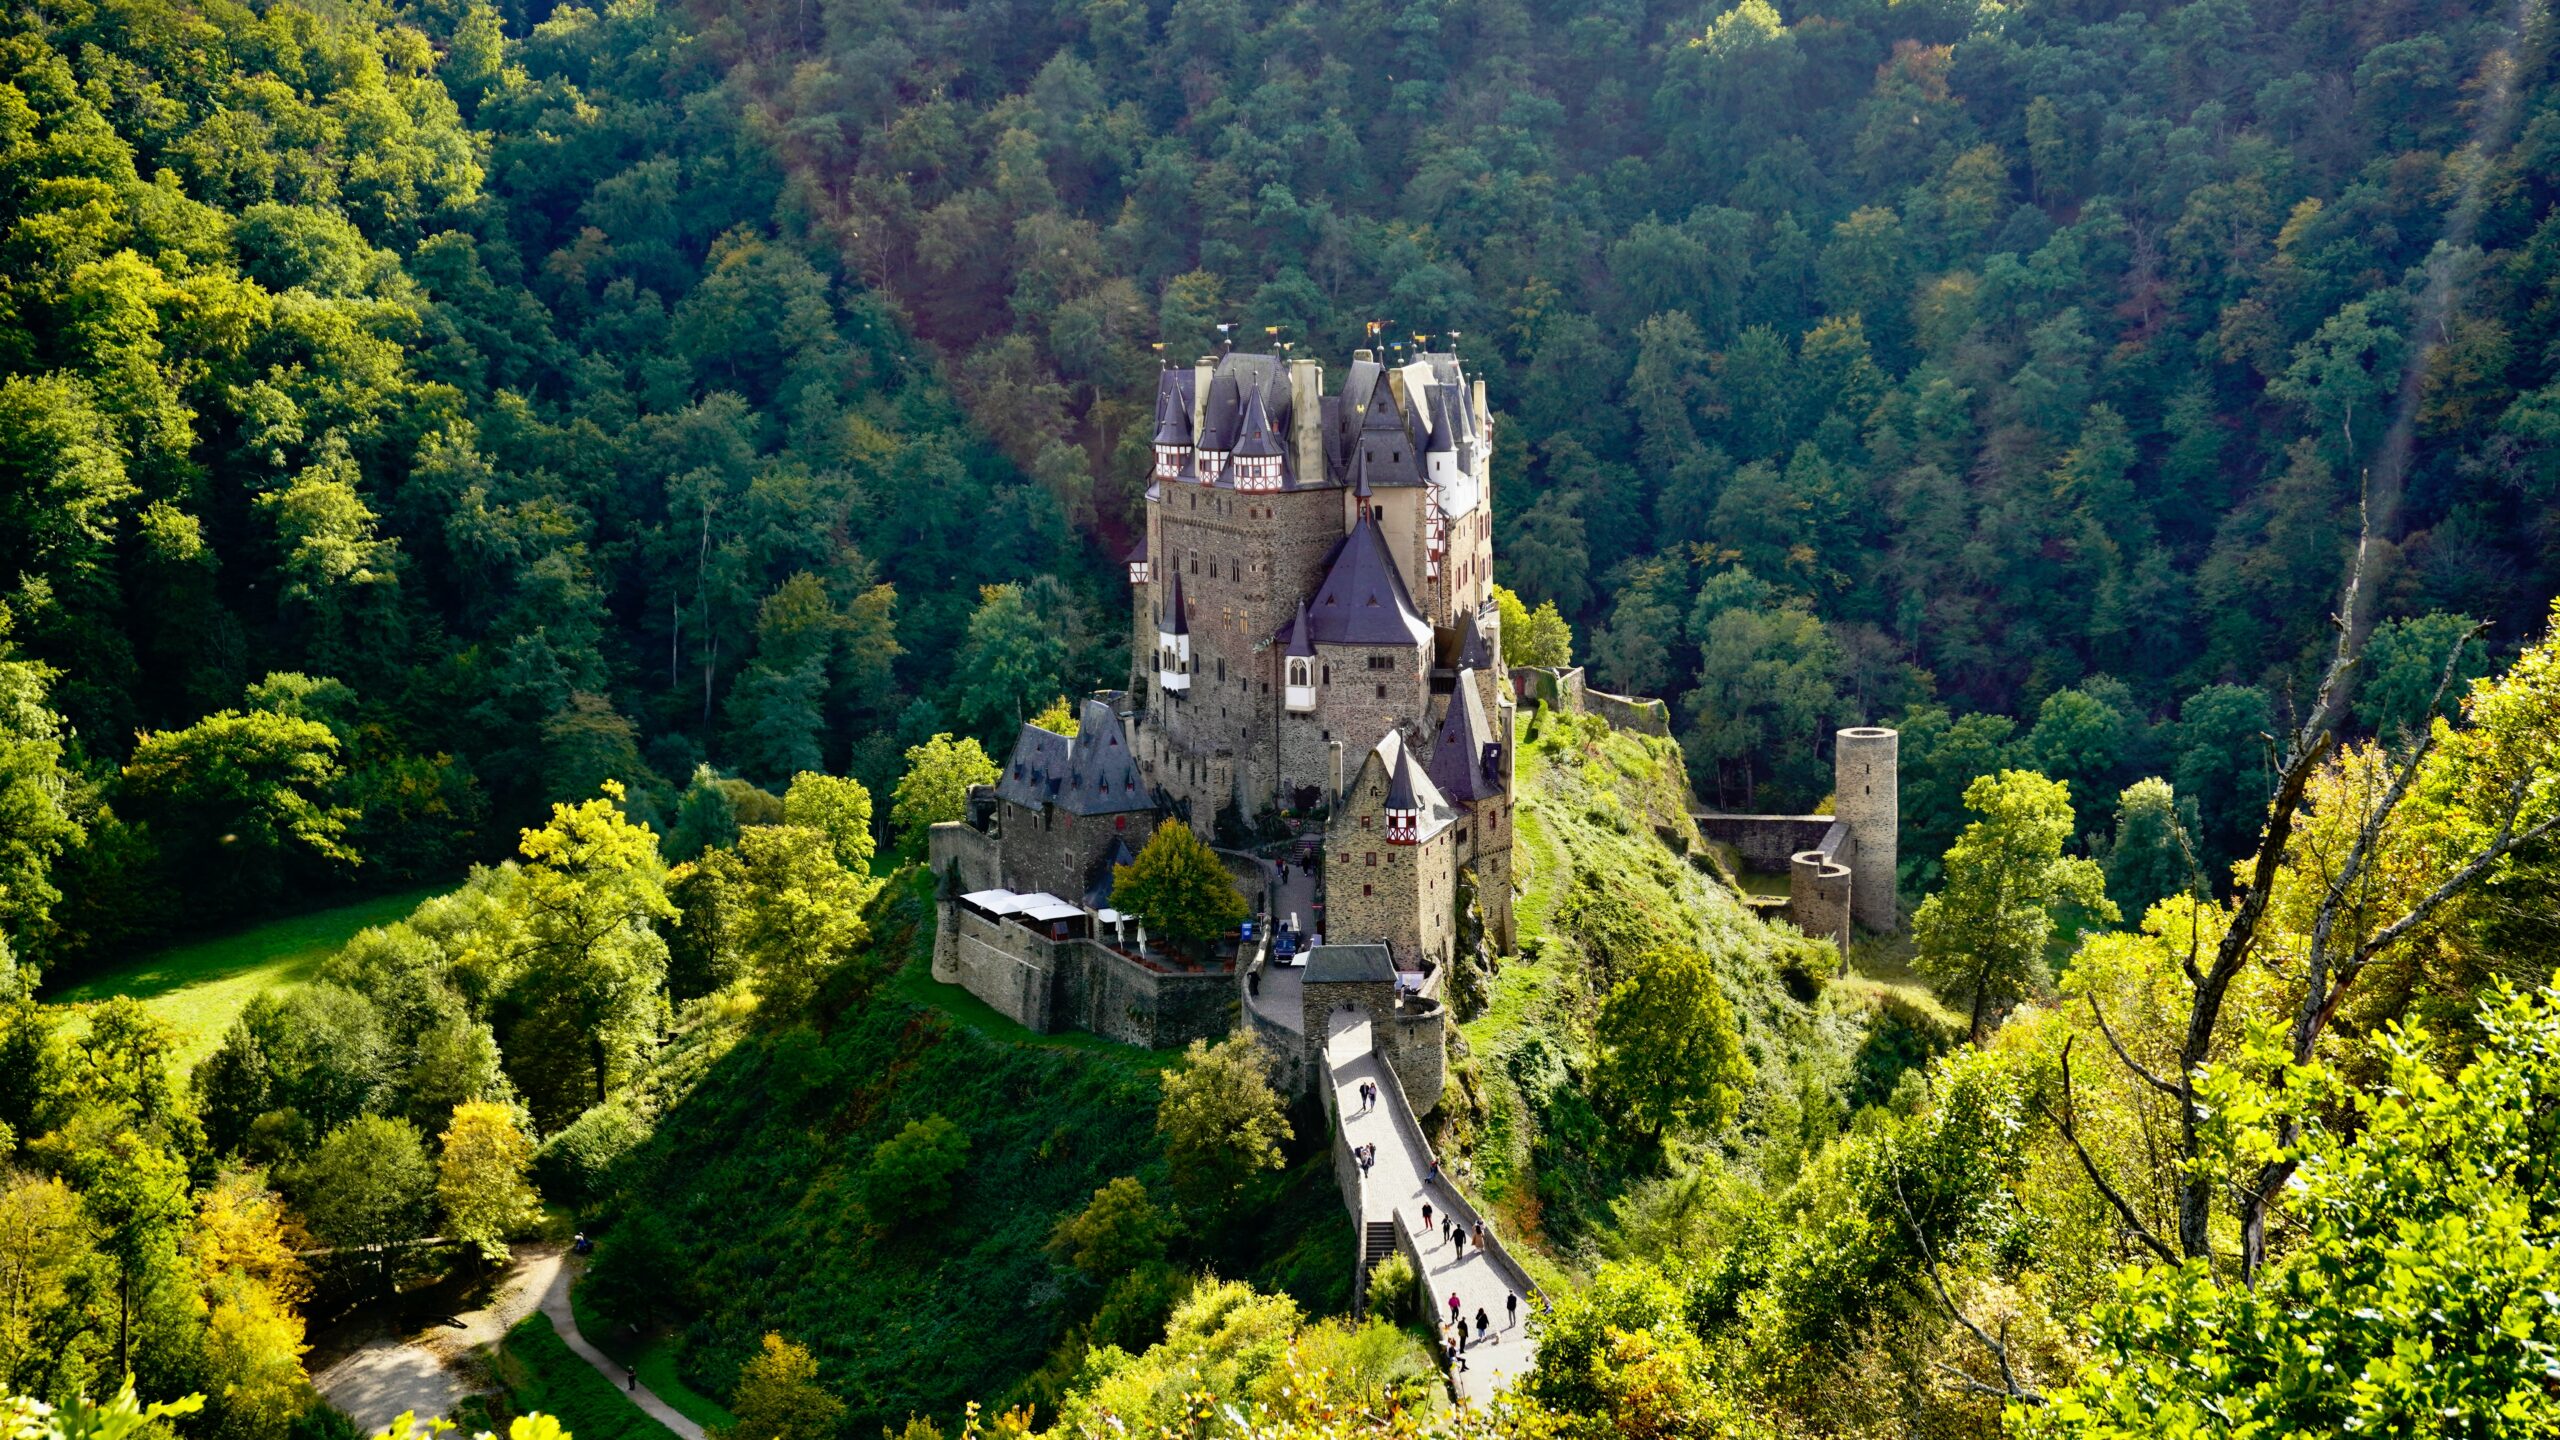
(2028, 350)
(410, 427)
(543, 451)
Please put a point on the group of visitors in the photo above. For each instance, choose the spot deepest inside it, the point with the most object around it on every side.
(1454, 1336)
(1366, 1155)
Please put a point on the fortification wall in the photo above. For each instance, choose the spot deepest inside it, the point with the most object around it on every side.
(979, 856)
(1420, 1057)
(1766, 842)
(1102, 991)
(1819, 893)
(1643, 715)
(1005, 965)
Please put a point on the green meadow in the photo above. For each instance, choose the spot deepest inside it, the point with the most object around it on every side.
(200, 987)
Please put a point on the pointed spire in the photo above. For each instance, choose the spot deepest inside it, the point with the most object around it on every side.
(1302, 635)
(1177, 615)
(1256, 438)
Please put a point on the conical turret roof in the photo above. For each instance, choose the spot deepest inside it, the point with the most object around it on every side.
(1258, 438)
(1363, 600)
(1177, 617)
(1302, 635)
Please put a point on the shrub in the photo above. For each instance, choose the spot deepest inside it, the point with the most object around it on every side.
(571, 1165)
(1391, 1288)
(910, 1173)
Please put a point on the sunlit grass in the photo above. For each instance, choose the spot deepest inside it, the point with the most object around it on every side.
(200, 987)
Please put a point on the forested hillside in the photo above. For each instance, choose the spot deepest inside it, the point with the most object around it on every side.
(2011, 349)
(405, 425)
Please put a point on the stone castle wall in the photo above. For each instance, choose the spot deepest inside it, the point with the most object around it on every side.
(1766, 842)
(976, 852)
(1049, 985)
(1047, 848)
(1402, 895)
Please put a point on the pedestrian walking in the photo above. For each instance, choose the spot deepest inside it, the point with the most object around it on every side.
(1484, 1322)
(1426, 1217)
(1510, 1311)
(631, 1380)
(1479, 1234)
(1446, 1224)
(1453, 1307)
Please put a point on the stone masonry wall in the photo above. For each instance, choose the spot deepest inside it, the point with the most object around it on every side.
(1046, 848)
(1767, 842)
(975, 850)
(1403, 895)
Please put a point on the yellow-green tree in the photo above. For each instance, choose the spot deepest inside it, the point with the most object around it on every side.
(592, 891)
(1982, 937)
(1220, 1119)
(480, 1178)
(1668, 1051)
(1180, 888)
(936, 785)
(796, 914)
(1532, 637)
(838, 806)
(779, 1397)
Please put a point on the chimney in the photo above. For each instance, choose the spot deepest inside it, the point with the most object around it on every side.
(1364, 355)
(1333, 769)
(1201, 375)
(1306, 411)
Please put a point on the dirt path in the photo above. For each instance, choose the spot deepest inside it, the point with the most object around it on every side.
(423, 1372)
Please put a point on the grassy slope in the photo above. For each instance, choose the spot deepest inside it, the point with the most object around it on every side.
(536, 1371)
(655, 1358)
(1603, 854)
(202, 986)
(754, 1172)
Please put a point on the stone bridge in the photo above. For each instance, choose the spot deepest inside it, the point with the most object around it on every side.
(1387, 1205)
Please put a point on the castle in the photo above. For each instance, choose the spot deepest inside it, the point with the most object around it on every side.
(1313, 635)
(1315, 654)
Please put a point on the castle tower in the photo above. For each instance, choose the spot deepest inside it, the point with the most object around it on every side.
(1867, 797)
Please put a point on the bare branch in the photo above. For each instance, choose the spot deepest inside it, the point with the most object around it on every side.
(1999, 1348)
(2175, 1092)
(2071, 1132)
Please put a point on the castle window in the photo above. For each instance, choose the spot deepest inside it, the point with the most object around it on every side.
(1382, 692)
(1372, 857)
(1364, 824)
(1369, 889)
(1382, 662)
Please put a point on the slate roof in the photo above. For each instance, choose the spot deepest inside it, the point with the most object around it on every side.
(1257, 436)
(1474, 651)
(1363, 600)
(1173, 407)
(1097, 892)
(1386, 452)
(1301, 633)
(1349, 965)
(1089, 773)
(1177, 616)
(1466, 759)
(1409, 785)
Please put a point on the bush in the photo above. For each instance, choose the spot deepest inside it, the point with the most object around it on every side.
(1804, 963)
(910, 1173)
(571, 1165)
(1392, 1285)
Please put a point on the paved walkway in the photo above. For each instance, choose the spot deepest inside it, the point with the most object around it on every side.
(555, 1303)
(418, 1374)
(1394, 1190)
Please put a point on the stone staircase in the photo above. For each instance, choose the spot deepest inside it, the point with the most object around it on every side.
(1377, 1242)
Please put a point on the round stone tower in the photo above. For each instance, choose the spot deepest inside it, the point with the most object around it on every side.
(1867, 797)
